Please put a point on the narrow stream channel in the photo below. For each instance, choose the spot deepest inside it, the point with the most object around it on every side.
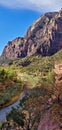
(6, 110)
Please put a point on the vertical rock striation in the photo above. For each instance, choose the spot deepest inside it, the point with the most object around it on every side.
(44, 37)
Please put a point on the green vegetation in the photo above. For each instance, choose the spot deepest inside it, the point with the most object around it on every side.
(57, 57)
(34, 105)
(35, 74)
(30, 116)
(36, 70)
(10, 86)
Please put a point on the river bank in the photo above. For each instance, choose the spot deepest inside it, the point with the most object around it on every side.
(5, 111)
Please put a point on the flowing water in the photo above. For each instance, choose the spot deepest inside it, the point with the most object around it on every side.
(6, 110)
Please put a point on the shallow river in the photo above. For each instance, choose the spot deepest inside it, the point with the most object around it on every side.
(6, 110)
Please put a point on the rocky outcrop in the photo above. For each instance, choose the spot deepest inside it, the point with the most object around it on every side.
(44, 37)
(47, 123)
(14, 49)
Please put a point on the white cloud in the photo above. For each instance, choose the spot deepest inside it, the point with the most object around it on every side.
(37, 5)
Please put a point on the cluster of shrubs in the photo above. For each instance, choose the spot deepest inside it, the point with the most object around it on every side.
(6, 74)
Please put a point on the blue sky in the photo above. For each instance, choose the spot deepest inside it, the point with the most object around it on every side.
(17, 15)
(14, 23)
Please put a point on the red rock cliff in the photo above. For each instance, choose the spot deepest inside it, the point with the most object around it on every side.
(43, 37)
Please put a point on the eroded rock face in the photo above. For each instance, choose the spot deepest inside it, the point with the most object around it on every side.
(14, 49)
(43, 37)
(47, 123)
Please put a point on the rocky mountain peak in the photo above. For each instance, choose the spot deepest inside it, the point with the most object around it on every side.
(44, 37)
(14, 48)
